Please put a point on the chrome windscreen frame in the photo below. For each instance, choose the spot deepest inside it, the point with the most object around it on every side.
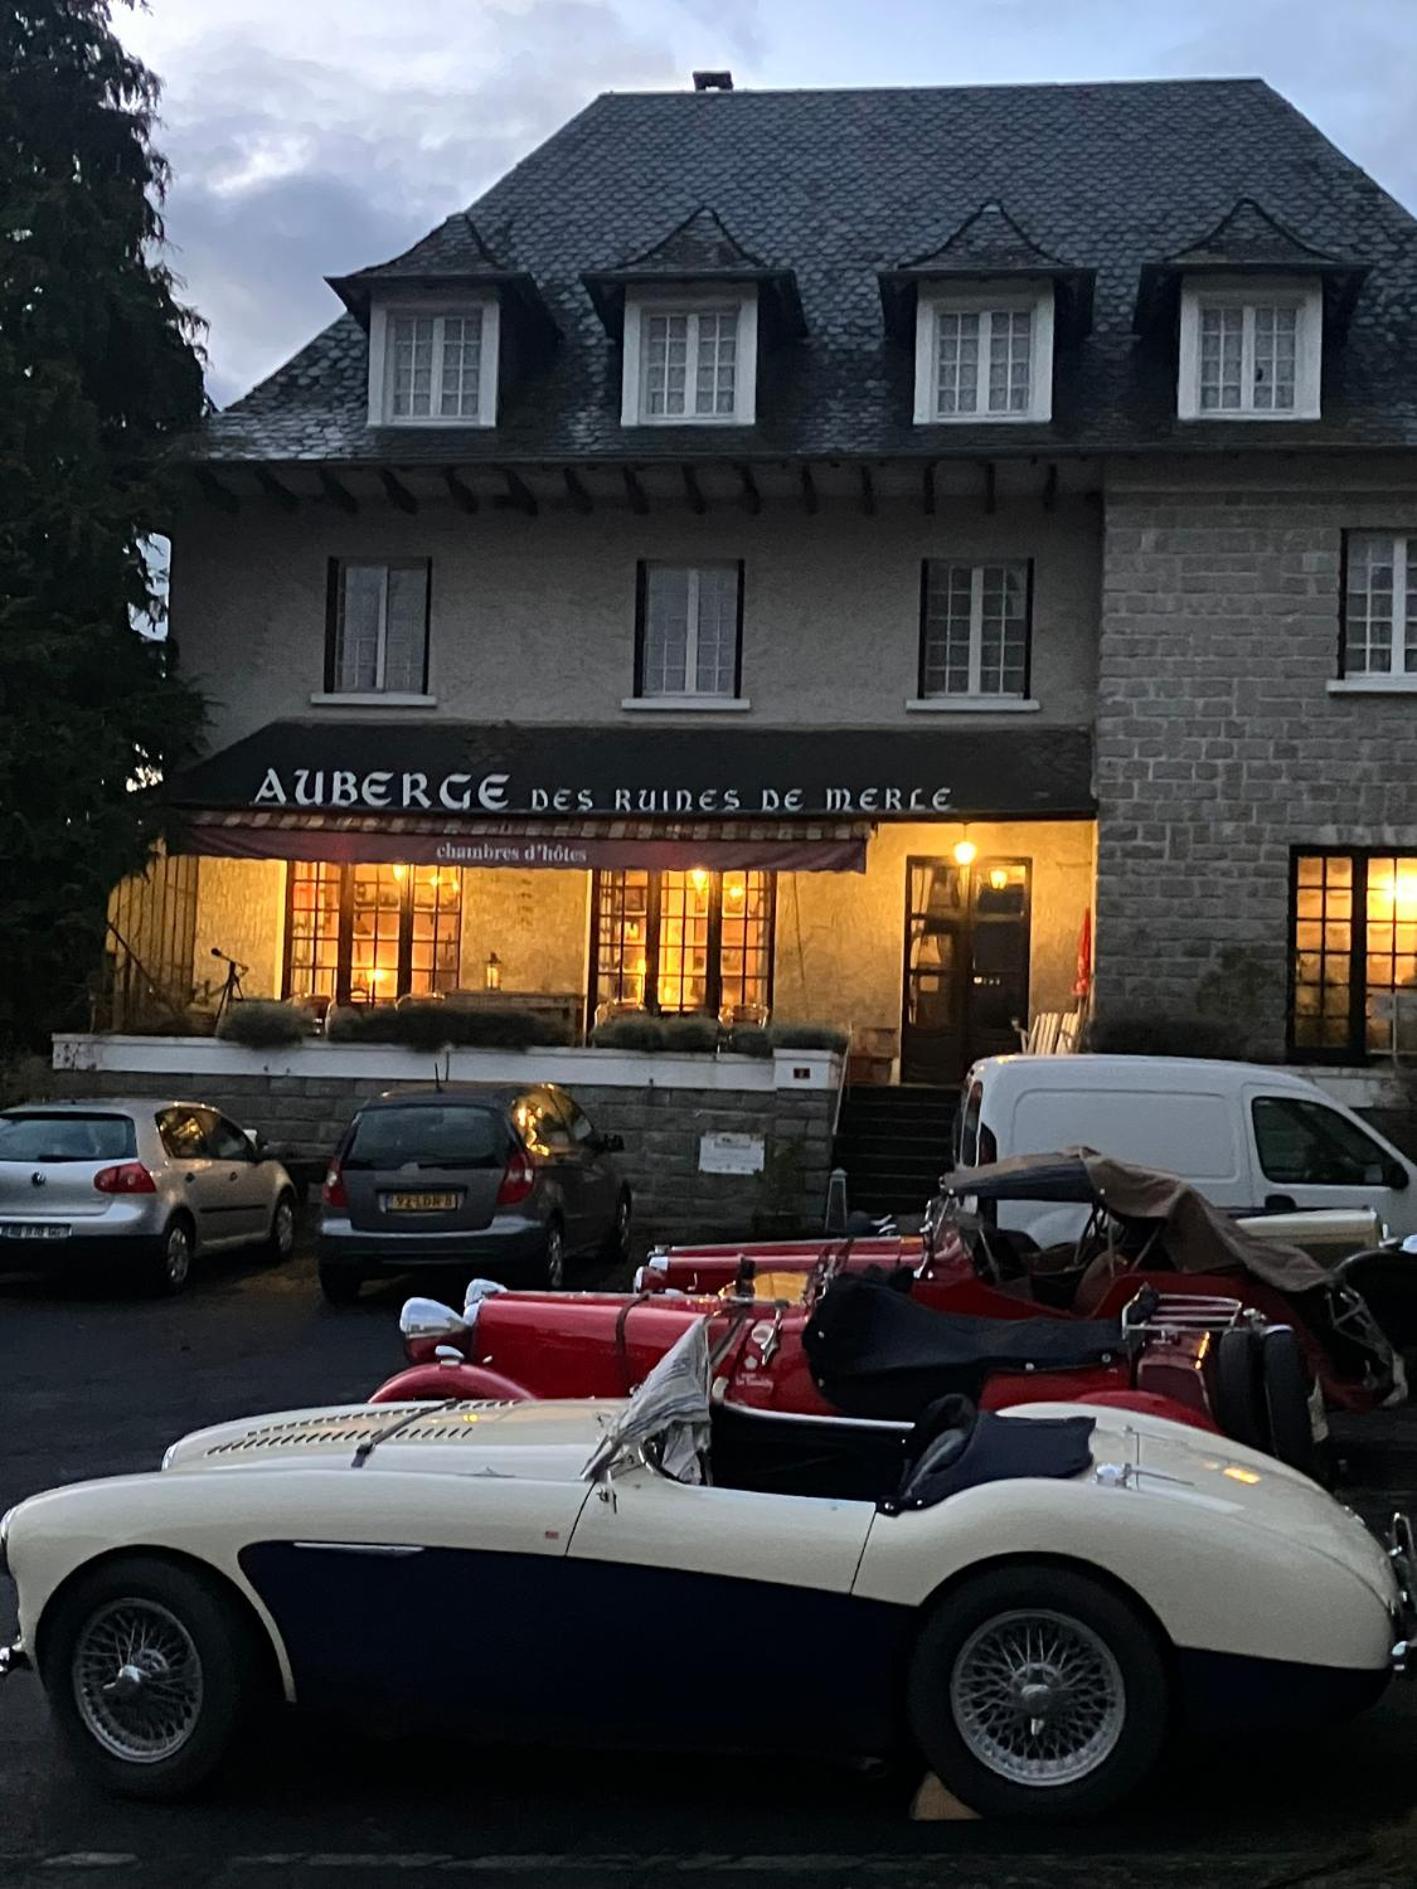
(1402, 1553)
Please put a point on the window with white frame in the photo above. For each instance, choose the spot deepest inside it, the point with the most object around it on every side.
(690, 631)
(690, 363)
(984, 356)
(430, 367)
(1250, 354)
(974, 629)
(377, 641)
(1380, 605)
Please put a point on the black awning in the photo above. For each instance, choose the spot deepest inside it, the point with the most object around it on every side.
(479, 769)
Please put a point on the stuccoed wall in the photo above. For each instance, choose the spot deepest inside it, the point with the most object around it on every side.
(840, 950)
(1220, 746)
(303, 1117)
(240, 910)
(533, 619)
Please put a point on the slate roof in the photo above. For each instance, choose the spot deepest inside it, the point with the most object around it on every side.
(838, 187)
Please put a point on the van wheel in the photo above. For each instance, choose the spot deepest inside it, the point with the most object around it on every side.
(1036, 1692)
(150, 1672)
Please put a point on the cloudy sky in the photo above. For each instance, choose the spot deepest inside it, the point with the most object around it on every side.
(312, 136)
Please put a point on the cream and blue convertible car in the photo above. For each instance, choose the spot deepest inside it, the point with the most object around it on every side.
(1028, 1599)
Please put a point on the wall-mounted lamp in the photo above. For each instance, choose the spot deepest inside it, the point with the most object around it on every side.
(965, 852)
(492, 972)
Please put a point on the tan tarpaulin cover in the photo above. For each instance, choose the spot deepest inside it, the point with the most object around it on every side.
(1200, 1237)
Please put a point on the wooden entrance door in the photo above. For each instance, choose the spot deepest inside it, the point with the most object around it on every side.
(966, 964)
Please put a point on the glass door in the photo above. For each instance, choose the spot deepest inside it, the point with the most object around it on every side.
(966, 965)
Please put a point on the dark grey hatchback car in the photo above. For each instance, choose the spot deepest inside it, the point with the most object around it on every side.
(478, 1178)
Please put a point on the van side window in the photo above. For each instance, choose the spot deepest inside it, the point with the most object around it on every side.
(967, 1155)
(1307, 1144)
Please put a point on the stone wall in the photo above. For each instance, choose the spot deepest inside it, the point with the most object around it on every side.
(1220, 746)
(303, 1117)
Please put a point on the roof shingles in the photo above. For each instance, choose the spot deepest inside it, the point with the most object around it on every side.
(838, 186)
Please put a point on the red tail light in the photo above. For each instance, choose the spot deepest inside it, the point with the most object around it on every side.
(131, 1177)
(332, 1192)
(518, 1180)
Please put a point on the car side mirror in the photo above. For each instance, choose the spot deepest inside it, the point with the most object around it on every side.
(430, 1318)
(610, 1144)
(258, 1143)
(1395, 1176)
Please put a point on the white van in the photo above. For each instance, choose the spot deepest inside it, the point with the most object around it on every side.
(1249, 1138)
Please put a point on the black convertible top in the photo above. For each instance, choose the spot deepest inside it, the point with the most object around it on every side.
(875, 1352)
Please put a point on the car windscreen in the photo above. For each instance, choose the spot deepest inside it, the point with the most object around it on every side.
(34, 1136)
(444, 1135)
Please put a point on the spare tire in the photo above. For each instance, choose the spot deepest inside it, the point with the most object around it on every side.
(1286, 1394)
(1240, 1404)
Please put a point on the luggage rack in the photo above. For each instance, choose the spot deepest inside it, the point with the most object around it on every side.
(1158, 1312)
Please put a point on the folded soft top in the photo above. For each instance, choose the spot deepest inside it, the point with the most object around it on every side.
(876, 1352)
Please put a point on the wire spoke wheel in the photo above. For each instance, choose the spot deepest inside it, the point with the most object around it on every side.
(137, 1680)
(555, 1258)
(1038, 1698)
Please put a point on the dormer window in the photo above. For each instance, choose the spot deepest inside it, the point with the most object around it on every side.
(984, 354)
(1250, 351)
(433, 366)
(690, 361)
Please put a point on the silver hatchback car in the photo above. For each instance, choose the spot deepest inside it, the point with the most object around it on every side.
(143, 1184)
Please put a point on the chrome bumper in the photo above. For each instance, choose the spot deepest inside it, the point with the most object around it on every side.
(1402, 1553)
(13, 1659)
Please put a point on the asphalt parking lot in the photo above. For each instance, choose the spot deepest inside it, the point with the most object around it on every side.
(93, 1384)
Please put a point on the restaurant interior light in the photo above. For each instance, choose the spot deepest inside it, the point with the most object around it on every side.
(699, 878)
(492, 972)
(998, 878)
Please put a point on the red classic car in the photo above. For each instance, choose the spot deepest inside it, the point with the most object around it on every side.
(866, 1348)
(1142, 1229)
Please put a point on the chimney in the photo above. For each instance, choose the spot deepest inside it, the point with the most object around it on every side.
(713, 81)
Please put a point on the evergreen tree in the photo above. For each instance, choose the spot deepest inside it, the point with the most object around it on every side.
(99, 377)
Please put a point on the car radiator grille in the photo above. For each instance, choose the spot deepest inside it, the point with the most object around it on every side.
(351, 1429)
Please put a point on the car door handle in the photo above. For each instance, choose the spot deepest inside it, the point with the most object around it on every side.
(1279, 1203)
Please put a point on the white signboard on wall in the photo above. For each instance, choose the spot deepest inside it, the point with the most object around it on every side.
(730, 1154)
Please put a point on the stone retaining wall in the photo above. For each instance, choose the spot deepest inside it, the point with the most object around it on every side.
(303, 1117)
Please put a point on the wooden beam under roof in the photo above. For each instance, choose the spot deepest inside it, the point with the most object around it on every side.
(519, 493)
(868, 492)
(214, 492)
(337, 492)
(751, 499)
(280, 494)
(634, 491)
(693, 491)
(810, 501)
(459, 491)
(991, 497)
(1050, 488)
(576, 490)
(927, 489)
(396, 491)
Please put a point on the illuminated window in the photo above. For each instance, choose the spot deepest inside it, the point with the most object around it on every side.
(1354, 963)
(684, 943)
(369, 934)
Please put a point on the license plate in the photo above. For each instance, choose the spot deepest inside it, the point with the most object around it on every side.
(420, 1203)
(32, 1230)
